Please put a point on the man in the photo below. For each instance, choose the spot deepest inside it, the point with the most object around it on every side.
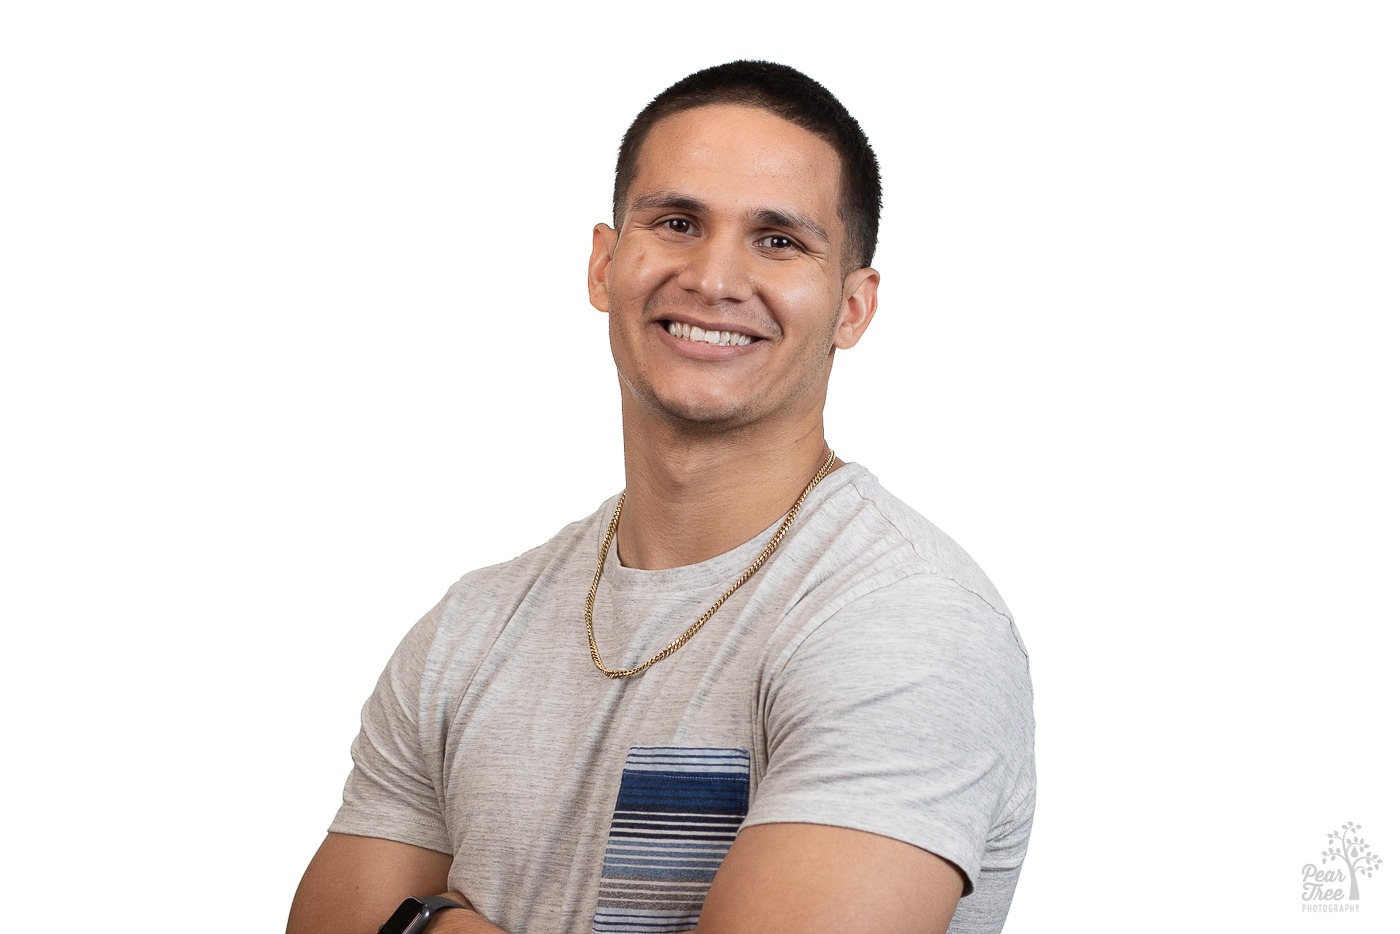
(755, 639)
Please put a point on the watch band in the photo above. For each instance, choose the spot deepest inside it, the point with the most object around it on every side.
(413, 914)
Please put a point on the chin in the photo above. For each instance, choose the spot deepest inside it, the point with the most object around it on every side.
(699, 409)
(699, 414)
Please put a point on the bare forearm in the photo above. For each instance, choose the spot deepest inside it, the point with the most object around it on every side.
(466, 921)
(462, 922)
(354, 884)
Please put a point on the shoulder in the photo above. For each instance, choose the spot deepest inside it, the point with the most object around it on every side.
(475, 609)
(872, 541)
(900, 608)
(515, 579)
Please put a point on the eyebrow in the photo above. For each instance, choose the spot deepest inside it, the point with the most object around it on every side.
(792, 221)
(670, 199)
(667, 198)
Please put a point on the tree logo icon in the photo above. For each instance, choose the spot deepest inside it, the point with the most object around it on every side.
(1348, 848)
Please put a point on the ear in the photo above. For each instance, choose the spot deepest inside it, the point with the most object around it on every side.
(604, 240)
(857, 308)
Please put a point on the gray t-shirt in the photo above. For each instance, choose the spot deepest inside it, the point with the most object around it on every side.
(869, 676)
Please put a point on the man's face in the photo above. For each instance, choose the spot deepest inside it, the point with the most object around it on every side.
(725, 284)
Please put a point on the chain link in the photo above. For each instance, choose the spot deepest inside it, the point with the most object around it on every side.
(683, 638)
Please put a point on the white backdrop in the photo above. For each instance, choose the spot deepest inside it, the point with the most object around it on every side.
(295, 333)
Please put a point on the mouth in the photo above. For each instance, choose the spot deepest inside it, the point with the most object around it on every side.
(699, 335)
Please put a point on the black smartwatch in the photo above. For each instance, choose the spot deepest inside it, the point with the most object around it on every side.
(413, 915)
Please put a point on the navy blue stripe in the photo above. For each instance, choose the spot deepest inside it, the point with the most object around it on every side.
(690, 775)
(695, 796)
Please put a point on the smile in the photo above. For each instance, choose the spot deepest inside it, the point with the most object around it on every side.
(702, 336)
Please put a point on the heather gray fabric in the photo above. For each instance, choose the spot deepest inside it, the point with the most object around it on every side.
(868, 676)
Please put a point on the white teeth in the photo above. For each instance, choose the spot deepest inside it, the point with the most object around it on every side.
(702, 336)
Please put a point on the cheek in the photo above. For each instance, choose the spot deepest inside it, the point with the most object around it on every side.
(807, 308)
(634, 274)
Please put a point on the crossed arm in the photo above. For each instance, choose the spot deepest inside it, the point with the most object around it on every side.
(807, 878)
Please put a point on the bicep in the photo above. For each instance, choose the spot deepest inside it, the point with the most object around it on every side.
(354, 883)
(917, 729)
(813, 878)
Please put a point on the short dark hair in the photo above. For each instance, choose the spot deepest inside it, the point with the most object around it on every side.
(784, 92)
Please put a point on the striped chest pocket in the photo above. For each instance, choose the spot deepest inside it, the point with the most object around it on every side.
(677, 812)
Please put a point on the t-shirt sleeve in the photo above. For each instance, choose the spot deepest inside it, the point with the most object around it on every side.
(392, 791)
(907, 713)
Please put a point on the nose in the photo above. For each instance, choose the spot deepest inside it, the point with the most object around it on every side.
(716, 270)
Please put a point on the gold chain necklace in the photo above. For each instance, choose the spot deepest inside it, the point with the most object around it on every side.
(750, 571)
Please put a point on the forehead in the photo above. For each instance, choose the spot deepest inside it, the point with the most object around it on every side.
(742, 157)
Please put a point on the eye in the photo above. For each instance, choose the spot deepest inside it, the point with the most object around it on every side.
(777, 242)
(678, 225)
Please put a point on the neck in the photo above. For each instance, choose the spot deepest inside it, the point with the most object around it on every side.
(691, 498)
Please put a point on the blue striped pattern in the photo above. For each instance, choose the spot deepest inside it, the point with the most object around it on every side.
(677, 812)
